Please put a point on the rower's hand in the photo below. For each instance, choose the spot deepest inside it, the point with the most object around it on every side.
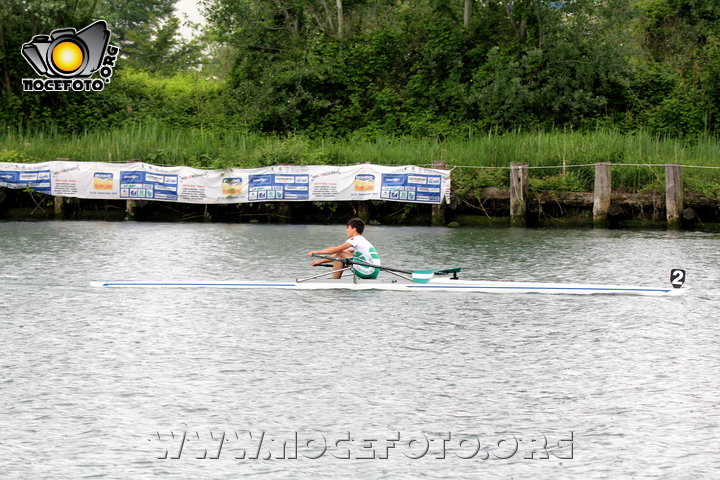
(314, 262)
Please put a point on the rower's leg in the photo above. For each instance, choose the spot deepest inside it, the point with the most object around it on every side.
(340, 265)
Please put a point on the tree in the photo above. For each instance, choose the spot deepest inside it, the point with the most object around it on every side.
(125, 16)
(680, 39)
(569, 71)
(156, 46)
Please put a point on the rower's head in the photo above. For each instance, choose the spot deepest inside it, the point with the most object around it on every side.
(355, 224)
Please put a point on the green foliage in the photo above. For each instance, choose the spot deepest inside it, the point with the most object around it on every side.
(415, 72)
(705, 185)
(676, 30)
(185, 99)
(221, 148)
(157, 47)
(564, 182)
(130, 16)
(13, 156)
(468, 183)
(680, 37)
(685, 110)
(398, 74)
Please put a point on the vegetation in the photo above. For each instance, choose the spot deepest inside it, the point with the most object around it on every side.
(473, 83)
(475, 158)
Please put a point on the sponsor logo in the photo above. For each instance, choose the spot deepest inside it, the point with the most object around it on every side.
(364, 183)
(232, 186)
(103, 181)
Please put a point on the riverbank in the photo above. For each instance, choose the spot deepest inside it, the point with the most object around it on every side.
(559, 189)
(473, 157)
(488, 207)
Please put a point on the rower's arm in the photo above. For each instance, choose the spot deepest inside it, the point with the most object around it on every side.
(330, 250)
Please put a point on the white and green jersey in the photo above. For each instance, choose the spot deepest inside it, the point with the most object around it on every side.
(364, 252)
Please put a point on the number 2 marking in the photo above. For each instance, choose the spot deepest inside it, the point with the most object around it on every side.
(677, 277)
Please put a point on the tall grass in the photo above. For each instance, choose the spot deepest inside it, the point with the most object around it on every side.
(163, 145)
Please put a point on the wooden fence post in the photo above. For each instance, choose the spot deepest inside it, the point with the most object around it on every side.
(437, 217)
(59, 203)
(603, 193)
(363, 210)
(673, 194)
(130, 209)
(59, 207)
(518, 194)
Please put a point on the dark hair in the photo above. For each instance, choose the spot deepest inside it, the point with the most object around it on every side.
(357, 224)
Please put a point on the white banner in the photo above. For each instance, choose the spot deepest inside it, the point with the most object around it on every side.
(142, 181)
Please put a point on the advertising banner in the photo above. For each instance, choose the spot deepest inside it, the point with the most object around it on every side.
(286, 183)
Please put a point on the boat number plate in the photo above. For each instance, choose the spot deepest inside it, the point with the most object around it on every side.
(677, 277)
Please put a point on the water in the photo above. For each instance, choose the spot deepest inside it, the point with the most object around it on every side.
(100, 383)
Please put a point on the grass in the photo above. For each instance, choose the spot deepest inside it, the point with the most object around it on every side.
(164, 145)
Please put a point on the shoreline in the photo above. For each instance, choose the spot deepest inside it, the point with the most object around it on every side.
(489, 207)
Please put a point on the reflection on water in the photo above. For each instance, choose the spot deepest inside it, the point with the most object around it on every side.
(102, 382)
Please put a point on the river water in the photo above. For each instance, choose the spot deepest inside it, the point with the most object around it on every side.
(110, 383)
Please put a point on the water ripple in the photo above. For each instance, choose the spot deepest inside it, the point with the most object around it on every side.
(89, 378)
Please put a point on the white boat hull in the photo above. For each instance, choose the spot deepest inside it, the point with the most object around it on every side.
(436, 284)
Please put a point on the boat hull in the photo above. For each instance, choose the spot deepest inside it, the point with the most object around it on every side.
(437, 285)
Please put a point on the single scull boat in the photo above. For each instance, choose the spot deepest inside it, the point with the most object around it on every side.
(439, 284)
(420, 280)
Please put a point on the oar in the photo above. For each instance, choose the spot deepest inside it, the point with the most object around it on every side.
(417, 276)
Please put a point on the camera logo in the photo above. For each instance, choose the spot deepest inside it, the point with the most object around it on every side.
(68, 59)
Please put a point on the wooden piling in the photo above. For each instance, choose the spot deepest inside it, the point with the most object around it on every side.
(603, 193)
(673, 194)
(59, 207)
(59, 203)
(363, 210)
(130, 210)
(518, 194)
(437, 216)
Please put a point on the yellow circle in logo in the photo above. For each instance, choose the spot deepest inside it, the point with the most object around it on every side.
(67, 56)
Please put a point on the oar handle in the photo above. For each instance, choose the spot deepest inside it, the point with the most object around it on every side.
(332, 259)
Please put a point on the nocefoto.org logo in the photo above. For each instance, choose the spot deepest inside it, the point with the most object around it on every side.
(68, 59)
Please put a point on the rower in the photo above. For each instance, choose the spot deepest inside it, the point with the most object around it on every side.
(355, 247)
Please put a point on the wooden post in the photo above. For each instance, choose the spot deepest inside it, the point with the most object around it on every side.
(673, 194)
(59, 203)
(601, 199)
(437, 216)
(59, 206)
(363, 210)
(518, 194)
(130, 210)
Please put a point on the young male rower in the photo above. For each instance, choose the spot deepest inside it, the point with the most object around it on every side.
(356, 247)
